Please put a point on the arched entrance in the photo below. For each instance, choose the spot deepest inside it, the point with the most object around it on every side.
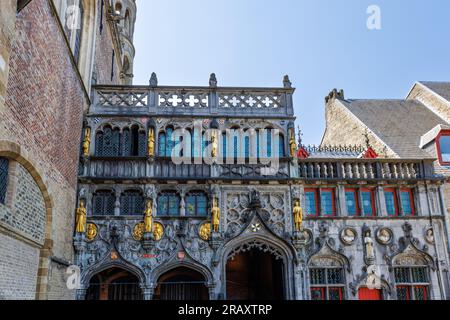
(254, 275)
(114, 284)
(181, 284)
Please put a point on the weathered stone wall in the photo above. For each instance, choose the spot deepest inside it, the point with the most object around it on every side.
(343, 129)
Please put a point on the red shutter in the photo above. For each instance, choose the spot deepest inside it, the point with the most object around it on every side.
(368, 294)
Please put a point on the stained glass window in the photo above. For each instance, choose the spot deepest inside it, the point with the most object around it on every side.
(4, 166)
(368, 202)
(196, 204)
(351, 202)
(311, 203)
(281, 146)
(391, 202)
(407, 202)
(169, 204)
(162, 145)
(327, 204)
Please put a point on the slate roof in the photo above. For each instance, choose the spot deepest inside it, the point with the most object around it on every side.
(399, 123)
(440, 88)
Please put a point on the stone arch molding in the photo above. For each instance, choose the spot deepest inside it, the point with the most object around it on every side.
(108, 263)
(13, 151)
(411, 256)
(328, 256)
(188, 263)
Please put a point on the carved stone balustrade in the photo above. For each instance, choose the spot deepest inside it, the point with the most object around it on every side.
(198, 101)
(115, 168)
(365, 169)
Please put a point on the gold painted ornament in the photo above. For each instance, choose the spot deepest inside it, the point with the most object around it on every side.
(92, 232)
(158, 231)
(138, 231)
(205, 231)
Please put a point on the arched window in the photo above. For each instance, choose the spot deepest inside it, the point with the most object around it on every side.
(269, 143)
(78, 33)
(103, 203)
(169, 204)
(224, 146)
(281, 146)
(327, 281)
(162, 144)
(166, 143)
(131, 203)
(4, 166)
(412, 279)
(108, 143)
(196, 204)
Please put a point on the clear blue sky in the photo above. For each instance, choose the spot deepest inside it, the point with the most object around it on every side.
(321, 44)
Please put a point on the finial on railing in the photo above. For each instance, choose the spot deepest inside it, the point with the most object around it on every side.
(286, 82)
(213, 80)
(153, 80)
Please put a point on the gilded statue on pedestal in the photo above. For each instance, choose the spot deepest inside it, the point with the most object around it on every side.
(81, 218)
(298, 215)
(215, 145)
(292, 143)
(148, 218)
(87, 141)
(215, 215)
(151, 142)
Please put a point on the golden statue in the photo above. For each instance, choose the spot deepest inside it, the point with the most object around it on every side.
(158, 231)
(205, 231)
(148, 218)
(138, 231)
(81, 218)
(91, 232)
(215, 145)
(87, 142)
(298, 215)
(151, 142)
(292, 143)
(215, 215)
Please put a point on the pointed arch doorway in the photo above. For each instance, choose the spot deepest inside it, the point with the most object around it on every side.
(181, 284)
(114, 284)
(254, 275)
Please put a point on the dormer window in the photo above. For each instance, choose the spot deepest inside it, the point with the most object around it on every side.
(443, 148)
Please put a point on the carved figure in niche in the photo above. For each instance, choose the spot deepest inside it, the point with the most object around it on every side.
(368, 243)
(81, 218)
(298, 215)
(215, 211)
(87, 142)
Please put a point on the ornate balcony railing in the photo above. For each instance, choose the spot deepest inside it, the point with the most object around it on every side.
(364, 169)
(308, 169)
(201, 101)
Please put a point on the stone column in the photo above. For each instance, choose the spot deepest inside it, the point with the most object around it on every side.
(381, 201)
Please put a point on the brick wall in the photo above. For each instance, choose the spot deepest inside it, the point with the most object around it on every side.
(103, 52)
(45, 101)
(24, 211)
(7, 23)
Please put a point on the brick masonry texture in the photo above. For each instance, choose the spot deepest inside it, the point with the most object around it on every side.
(27, 214)
(44, 109)
(18, 265)
(103, 54)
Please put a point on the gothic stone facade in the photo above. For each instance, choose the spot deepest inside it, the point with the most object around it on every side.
(349, 234)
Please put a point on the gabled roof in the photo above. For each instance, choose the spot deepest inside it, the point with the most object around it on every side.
(400, 124)
(440, 88)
